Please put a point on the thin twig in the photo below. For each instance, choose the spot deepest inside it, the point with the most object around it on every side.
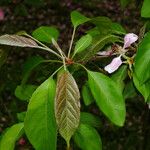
(44, 46)
(56, 71)
(73, 34)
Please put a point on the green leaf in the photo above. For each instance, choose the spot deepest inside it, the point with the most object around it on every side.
(117, 28)
(129, 90)
(87, 95)
(10, 137)
(93, 32)
(120, 76)
(97, 44)
(142, 60)
(108, 97)
(145, 11)
(90, 119)
(24, 92)
(78, 19)
(83, 43)
(67, 105)
(16, 40)
(21, 116)
(144, 89)
(40, 124)
(29, 65)
(45, 34)
(103, 24)
(87, 138)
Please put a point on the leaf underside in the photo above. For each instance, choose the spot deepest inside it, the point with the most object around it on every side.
(67, 105)
(16, 40)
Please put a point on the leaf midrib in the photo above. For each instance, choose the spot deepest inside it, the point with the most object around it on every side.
(109, 101)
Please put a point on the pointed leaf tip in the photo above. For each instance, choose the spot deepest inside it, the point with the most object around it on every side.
(67, 105)
(108, 97)
(77, 18)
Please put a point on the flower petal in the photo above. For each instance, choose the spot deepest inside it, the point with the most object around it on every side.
(105, 53)
(129, 39)
(114, 65)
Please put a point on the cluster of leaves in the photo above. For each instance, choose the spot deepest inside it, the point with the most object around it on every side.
(55, 107)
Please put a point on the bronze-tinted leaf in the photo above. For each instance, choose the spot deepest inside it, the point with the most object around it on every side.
(67, 105)
(16, 40)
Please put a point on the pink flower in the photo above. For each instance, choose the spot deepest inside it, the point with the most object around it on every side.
(129, 39)
(116, 62)
(1, 15)
(105, 53)
(114, 65)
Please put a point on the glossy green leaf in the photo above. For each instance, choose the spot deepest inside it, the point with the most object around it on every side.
(97, 44)
(142, 60)
(45, 34)
(78, 19)
(87, 138)
(83, 43)
(40, 124)
(24, 92)
(90, 119)
(108, 97)
(144, 89)
(16, 40)
(87, 95)
(120, 76)
(145, 11)
(10, 137)
(67, 105)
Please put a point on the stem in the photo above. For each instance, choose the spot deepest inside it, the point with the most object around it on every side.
(60, 51)
(49, 50)
(68, 148)
(56, 61)
(68, 145)
(56, 71)
(44, 46)
(73, 34)
(81, 66)
(58, 48)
